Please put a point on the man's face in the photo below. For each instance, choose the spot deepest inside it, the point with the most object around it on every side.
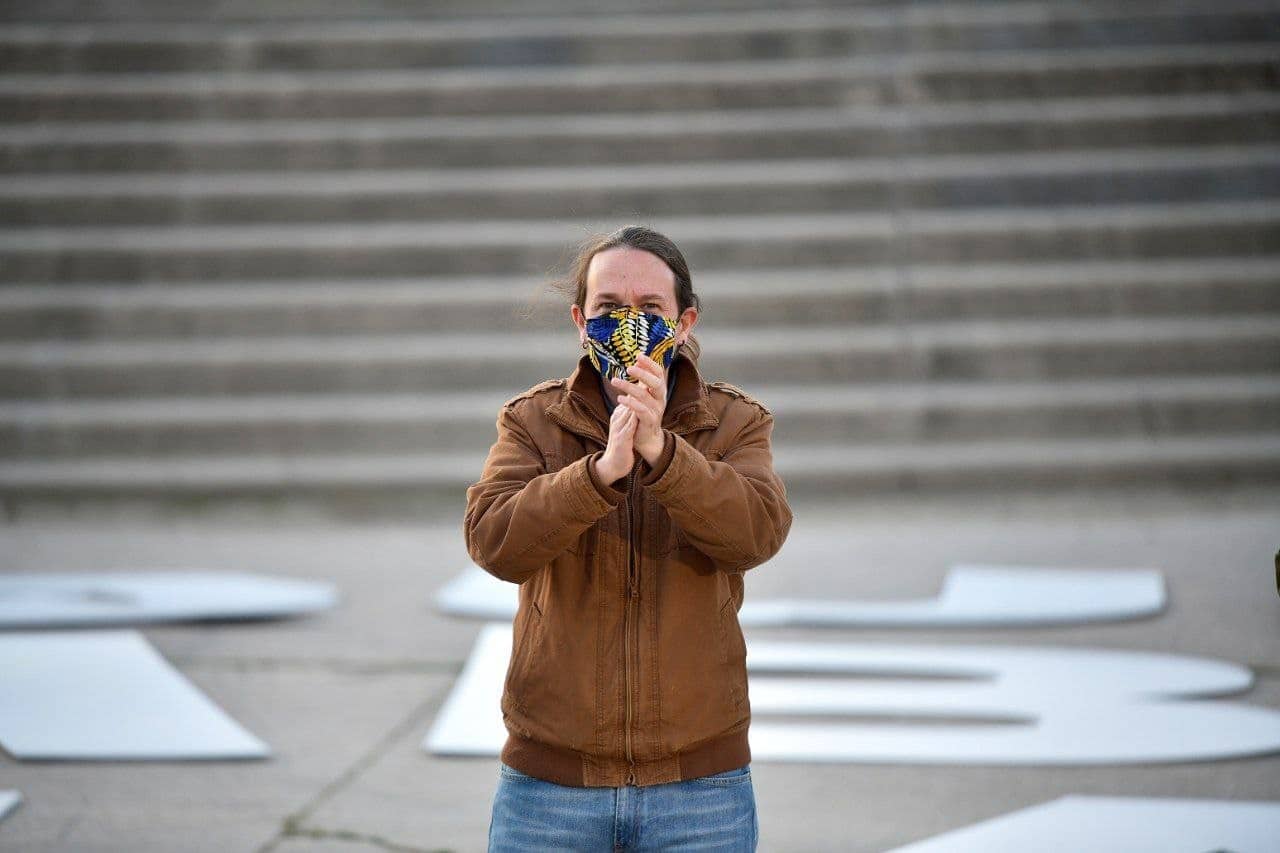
(624, 276)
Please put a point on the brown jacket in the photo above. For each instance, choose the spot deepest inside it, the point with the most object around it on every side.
(628, 665)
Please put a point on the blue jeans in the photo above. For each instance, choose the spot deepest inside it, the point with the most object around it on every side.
(709, 813)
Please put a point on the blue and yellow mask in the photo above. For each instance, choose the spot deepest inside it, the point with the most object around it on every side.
(616, 339)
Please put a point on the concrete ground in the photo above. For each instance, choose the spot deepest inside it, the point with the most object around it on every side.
(346, 697)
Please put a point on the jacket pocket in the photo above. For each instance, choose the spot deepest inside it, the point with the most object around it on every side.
(732, 647)
(733, 651)
(526, 635)
(699, 684)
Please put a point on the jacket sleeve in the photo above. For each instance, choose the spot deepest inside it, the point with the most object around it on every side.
(518, 517)
(733, 509)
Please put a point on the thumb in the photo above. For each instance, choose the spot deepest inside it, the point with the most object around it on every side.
(628, 426)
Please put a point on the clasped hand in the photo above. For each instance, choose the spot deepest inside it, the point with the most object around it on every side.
(636, 425)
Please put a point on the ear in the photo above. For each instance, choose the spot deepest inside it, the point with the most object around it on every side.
(688, 319)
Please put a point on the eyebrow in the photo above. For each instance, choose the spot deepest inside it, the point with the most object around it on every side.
(656, 296)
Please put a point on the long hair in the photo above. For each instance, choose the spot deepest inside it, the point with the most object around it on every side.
(574, 283)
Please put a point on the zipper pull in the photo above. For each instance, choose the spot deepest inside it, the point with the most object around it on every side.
(631, 775)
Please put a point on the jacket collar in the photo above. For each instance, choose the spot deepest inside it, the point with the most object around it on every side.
(581, 409)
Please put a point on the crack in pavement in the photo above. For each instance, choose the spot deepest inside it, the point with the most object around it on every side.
(293, 824)
(349, 835)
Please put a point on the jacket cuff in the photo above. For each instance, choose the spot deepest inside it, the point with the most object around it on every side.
(598, 497)
(655, 472)
(678, 458)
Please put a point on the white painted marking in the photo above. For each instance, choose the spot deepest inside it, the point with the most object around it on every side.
(9, 800)
(971, 595)
(40, 599)
(1022, 705)
(107, 695)
(1119, 825)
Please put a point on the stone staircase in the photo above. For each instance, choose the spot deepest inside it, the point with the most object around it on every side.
(276, 257)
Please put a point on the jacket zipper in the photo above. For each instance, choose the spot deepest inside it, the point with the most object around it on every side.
(632, 591)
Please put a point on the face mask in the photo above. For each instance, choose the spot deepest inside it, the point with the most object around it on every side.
(617, 338)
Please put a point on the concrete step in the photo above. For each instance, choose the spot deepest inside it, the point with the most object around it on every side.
(578, 139)
(1111, 176)
(409, 485)
(115, 46)
(257, 255)
(619, 88)
(1010, 350)
(302, 10)
(1198, 462)
(910, 413)
(483, 247)
(741, 298)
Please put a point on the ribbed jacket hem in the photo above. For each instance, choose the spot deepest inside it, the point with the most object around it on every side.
(580, 770)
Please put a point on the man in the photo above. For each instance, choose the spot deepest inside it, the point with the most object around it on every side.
(627, 501)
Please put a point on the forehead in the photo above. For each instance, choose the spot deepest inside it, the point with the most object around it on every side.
(628, 274)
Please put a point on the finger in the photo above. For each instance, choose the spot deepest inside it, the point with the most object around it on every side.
(654, 364)
(635, 368)
(649, 371)
(628, 428)
(645, 384)
(651, 399)
(646, 409)
(657, 380)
